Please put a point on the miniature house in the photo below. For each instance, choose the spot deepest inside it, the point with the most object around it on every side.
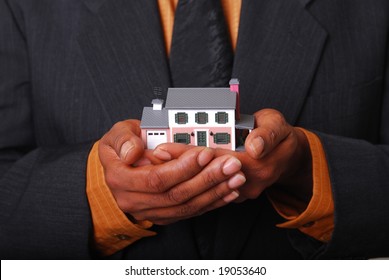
(196, 116)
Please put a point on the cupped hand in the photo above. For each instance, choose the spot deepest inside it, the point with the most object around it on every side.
(148, 188)
(275, 152)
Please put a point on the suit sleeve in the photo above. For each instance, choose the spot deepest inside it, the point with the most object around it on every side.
(44, 212)
(112, 230)
(359, 173)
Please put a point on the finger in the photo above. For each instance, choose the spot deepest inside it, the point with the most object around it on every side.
(140, 202)
(170, 151)
(208, 201)
(122, 142)
(216, 172)
(159, 178)
(147, 158)
(170, 215)
(272, 129)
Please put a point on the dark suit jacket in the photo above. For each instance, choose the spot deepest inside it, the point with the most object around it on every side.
(70, 69)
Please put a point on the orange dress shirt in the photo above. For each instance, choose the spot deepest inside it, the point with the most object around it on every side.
(113, 231)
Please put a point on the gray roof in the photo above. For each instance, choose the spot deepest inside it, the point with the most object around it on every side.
(154, 118)
(200, 98)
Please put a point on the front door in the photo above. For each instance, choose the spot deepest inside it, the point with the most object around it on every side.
(202, 138)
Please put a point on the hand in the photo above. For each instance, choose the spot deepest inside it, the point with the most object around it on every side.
(165, 192)
(281, 155)
(275, 152)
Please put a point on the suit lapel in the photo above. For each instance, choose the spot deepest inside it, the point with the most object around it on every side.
(124, 53)
(279, 46)
(278, 50)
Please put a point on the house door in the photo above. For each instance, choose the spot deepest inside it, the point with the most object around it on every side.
(202, 138)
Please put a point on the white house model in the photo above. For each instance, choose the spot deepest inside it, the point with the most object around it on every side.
(197, 116)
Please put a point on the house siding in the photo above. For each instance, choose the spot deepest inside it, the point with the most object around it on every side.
(211, 130)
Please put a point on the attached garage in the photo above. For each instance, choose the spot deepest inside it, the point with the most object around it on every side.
(155, 137)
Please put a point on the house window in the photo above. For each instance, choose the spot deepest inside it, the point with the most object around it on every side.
(183, 138)
(182, 118)
(201, 118)
(221, 138)
(221, 117)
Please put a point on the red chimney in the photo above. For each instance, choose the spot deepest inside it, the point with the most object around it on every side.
(234, 87)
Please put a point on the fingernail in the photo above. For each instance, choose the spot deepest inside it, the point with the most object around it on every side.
(257, 145)
(236, 181)
(126, 147)
(231, 197)
(162, 154)
(205, 157)
(231, 166)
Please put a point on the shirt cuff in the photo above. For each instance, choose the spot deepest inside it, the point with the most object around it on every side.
(112, 230)
(317, 218)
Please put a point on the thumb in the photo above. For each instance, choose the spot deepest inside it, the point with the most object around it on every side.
(271, 129)
(124, 142)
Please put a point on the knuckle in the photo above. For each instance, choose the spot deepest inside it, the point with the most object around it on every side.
(112, 180)
(271, 135)
(178, 196)
(216, 194)
(118, 140)
(155, 181)
(210, 179)
(186, 210)
(128, 208)
(278, 117)
(126, 205)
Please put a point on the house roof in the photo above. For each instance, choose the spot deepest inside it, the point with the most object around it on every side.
(154, 118)
(200, 98)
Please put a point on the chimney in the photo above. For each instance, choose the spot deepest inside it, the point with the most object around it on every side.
(234, 87)
(157, 104)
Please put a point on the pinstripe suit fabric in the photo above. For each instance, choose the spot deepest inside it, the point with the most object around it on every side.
(70, 69)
